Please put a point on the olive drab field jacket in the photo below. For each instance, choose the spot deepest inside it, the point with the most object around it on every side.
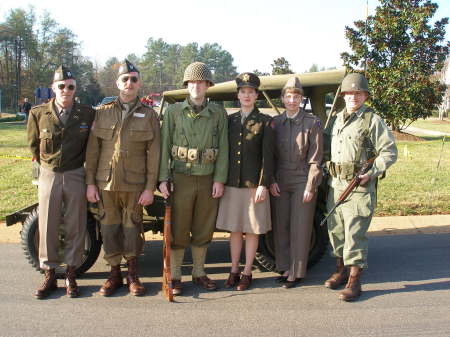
(123, 155)
(56, 146)
(363, 135)
(194, 143)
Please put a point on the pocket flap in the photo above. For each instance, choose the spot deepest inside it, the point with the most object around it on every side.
(106, 134)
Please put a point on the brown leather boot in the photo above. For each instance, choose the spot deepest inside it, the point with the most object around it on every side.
(134, 285)
(353, 287)
(244, 283)
(114, 282)
(233, 280)
(48, 286)
(339, 277)
(71, 283)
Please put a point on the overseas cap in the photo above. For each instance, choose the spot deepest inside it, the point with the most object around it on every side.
(354, 82)
(127, 67)
(248, 80)
(62, 73)
(293, 83)
(197, 71)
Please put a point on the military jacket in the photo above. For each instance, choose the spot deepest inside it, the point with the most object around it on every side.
(251, 150)
(123, 155)
(197, 131)
(298, 149)
(56, 146)
(348, 140)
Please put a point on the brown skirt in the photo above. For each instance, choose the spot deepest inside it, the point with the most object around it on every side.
(239, 213)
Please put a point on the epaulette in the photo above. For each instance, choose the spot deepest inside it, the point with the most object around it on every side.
(104, 106)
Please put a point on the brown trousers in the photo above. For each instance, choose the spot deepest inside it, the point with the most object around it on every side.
(292, 227)
(121, 225)
(62, 207)
(194, 211)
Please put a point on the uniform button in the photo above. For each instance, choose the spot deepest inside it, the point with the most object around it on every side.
(240, 134)
(239, 143)
(239, 152)
(238, 161)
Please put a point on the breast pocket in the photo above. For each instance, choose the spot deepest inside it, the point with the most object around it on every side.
(46, 142)
(302, 141)
(141, 135)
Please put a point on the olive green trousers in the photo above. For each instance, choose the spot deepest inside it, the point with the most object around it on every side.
(348, 226)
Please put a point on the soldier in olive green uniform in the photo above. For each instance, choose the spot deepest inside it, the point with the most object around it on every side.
(58, 133)
(357, 134)
(122, 162)
(194, 153)
(298, 156)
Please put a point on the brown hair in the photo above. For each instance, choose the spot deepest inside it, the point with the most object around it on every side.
(292, 90)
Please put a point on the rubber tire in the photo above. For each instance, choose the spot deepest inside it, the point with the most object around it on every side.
(30, 239)
(265, 255)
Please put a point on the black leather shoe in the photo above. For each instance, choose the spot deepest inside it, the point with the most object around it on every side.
(281, 279)
(291, 284)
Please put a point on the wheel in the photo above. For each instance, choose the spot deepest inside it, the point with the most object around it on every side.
(265, 256)
(30, 244)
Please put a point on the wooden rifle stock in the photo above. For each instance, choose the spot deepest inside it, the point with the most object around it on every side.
(354, 183)
(167, 286)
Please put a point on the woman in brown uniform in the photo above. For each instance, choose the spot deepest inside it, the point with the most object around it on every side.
(298, 154)
(244, 207)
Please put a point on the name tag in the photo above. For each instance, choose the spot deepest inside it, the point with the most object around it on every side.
(138, 114)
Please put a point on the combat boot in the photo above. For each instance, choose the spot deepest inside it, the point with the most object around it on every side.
(134, 285)
(339, 277)
(353, 287)
(114, 282)
(71, 283)
(49, 285)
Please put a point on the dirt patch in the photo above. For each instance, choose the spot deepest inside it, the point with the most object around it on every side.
(406, 136)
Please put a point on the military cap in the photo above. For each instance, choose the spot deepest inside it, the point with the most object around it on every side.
(197, 71)
(354, 82)
(127, 67)
(248, 80)
(62, 73)
(293, 83)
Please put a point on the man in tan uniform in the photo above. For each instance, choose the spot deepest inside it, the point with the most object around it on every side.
(357, 134)
(57, 133)
(194, 152)
(121, 172)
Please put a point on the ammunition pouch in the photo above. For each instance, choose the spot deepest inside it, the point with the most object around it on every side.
(345, 171)
(194, 156)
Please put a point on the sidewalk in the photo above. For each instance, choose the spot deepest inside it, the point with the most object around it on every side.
(389, 225)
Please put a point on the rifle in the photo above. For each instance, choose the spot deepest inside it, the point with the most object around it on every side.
(167, 286)
(354, 183)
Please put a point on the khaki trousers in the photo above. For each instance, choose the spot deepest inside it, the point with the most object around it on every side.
(194, 211)
(121, 225)
(348, 225)
(292, 228)
(62, 206)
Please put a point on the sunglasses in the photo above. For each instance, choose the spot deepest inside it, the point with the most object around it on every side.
(133, 79)
(63, 86)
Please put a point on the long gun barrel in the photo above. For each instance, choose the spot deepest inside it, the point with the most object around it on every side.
(167, 286)
(354, 183)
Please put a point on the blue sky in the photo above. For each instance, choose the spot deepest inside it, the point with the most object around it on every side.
(254, 32)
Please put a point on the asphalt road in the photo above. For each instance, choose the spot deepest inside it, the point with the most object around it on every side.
(406, 293)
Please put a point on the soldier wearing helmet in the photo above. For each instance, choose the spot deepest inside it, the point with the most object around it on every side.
(193, 168)
(357, 133)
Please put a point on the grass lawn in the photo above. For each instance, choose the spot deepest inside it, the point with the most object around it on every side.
(412, 186)
(15, 173)
(433, 124)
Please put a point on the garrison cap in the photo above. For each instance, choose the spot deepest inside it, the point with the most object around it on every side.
(197, 71)
(293, 83)
(248, 80)
(62, 73)
(354, 82)
(127, 67)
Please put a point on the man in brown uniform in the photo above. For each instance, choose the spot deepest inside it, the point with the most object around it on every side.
(121, 172)
(298, 155)
(57, 133)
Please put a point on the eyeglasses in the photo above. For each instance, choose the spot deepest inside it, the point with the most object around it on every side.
(63, 86)
(133, 79)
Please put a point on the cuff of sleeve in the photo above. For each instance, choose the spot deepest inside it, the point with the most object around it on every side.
(90, 179)
(150, 186)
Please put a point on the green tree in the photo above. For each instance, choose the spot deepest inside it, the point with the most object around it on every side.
(402, 52)
(107, 77)
(281, 66)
